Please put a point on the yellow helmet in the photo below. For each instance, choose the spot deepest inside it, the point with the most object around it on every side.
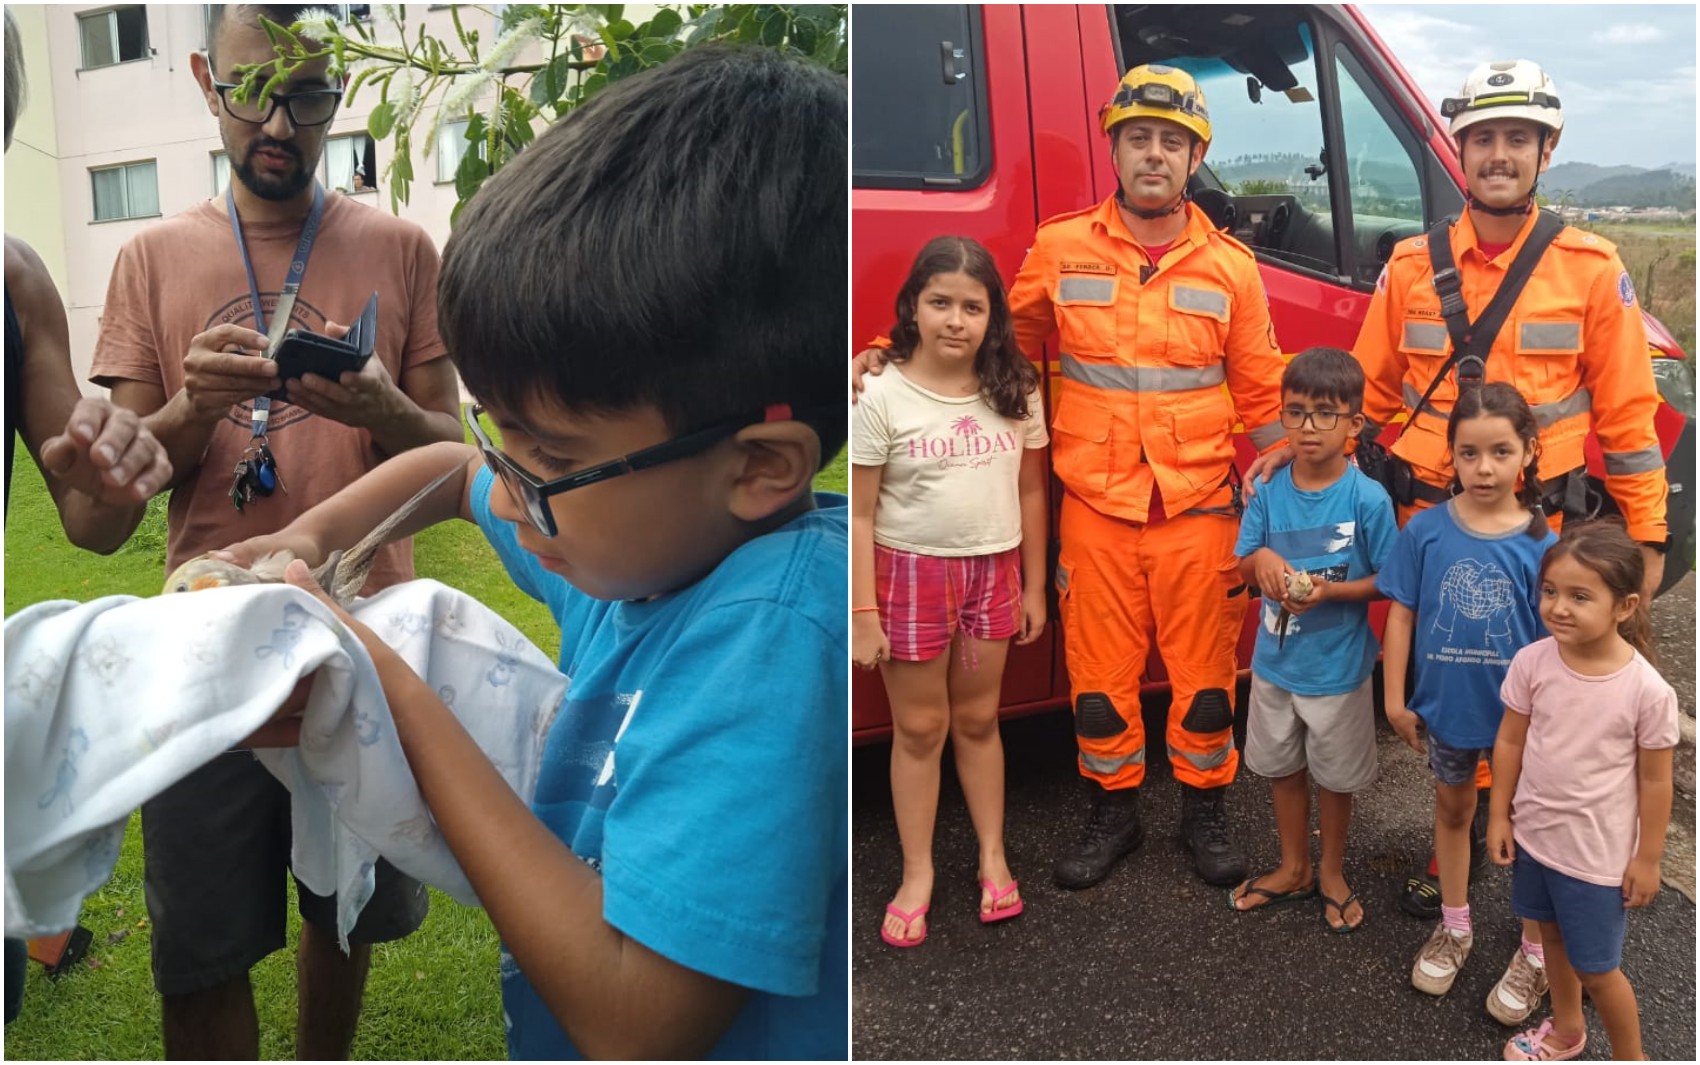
(1157, 91)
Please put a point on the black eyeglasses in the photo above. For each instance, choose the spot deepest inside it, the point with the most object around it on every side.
(314, 107)
(1321, 420)
(532, 495)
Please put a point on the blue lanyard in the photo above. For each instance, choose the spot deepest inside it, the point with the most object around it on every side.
(291, 285)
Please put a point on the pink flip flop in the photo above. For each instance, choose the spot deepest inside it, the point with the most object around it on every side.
(996, 914)
(906, 918)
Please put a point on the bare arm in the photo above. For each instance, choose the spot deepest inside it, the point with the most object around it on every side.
(100, 464)
(1395, 662)
(1653, 783)
(342, 520)
(1035, 531)
(868, 643)
(614, 997)
(1507, 770)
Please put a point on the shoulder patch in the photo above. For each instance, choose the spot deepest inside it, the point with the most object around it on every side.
(1217, 234)
(1381, 280)
(1625, 290)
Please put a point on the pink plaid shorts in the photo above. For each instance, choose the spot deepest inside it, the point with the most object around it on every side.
(925, 599)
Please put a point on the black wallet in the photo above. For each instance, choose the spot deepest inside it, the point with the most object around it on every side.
(303, 352)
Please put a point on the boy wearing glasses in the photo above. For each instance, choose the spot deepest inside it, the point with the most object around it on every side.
(180, 344)
(653, 329)
(1312, 541)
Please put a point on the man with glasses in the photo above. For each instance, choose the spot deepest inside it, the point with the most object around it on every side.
(181, 344)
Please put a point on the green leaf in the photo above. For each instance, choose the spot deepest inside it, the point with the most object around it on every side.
(617, 31)
(550, 84)
(666, 23)
(773, 30)
(381, 121)
(470, 174)
(804, 37)
(656, 53)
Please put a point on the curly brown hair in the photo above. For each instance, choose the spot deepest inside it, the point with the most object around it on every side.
(1500, 400)
(1006, 377)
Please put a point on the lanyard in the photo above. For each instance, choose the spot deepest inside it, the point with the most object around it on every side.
(291, 286)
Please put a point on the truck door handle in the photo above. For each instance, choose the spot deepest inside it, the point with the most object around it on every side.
(950, 57)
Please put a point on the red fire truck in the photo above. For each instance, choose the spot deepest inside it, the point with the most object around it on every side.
(982, 121)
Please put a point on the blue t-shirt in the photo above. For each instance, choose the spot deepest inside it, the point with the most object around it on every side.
(698, 763)
(1474, 597)
(1343, 533)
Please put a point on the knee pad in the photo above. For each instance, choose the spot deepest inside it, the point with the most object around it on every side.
(1095, 717)
(1211, 711)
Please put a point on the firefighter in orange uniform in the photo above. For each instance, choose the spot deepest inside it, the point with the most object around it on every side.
(1574, 344)
(1154, 310)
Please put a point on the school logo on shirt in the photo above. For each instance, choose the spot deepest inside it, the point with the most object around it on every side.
(1474, 620)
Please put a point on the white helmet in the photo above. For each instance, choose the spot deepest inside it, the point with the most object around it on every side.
(1508, 88)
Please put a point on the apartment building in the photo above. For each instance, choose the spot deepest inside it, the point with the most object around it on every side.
(116, 135)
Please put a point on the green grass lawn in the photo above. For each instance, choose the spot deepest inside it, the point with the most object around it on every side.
(433, 995)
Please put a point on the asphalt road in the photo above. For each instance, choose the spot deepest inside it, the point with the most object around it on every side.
(1153, 964)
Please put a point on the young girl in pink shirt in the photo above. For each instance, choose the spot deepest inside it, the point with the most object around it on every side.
(947, 538)
(1582, 784)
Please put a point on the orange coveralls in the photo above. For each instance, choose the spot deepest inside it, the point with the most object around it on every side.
(1139, 408)
(1573, 345)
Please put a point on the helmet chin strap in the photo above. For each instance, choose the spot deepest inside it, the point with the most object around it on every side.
(1153, 215)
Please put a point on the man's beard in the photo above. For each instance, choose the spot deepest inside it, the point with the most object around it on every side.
(267, 187)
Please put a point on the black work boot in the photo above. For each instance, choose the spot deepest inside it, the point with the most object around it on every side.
(1112, 830)
(1204, 830)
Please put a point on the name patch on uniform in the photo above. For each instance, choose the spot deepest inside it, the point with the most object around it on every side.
(1625, 290)
(1087, 268)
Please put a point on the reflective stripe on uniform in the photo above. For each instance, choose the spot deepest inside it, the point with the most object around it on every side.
(1106, 766)
(1265, 436)
(1550, 336)
(1413, 397)
(1086, 290)
(1425, 336)
(1143, 378)
(1621, 463)
(1580, 401)
(1205, 761)
(1199, 299)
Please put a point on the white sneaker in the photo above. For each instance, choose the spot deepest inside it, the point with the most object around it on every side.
(1520, 990)
(1438, 963)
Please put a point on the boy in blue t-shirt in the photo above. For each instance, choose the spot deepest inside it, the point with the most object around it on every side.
(1312, 540)
(649, 303)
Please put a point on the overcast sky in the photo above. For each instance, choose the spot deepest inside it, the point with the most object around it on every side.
(1624, 72)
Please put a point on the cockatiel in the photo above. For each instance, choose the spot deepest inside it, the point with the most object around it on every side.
(342, 574)
(1299, 588)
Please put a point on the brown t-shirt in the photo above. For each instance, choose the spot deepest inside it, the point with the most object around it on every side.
(184, 275)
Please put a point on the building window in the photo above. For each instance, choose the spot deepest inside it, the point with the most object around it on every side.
(128, 191)
(351, 163)
(451, 149)
(114, 36)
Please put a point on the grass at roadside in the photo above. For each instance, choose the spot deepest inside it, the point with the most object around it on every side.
(431, 996)
(1661, 265)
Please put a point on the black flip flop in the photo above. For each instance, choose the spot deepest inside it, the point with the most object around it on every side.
(1342, 928)
(1275, 897)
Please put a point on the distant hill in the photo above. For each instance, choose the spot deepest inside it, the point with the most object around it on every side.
(1574, 177)
(1589, 185)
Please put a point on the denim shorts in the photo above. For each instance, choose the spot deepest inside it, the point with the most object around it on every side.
(1453, 766)
(1590, 917)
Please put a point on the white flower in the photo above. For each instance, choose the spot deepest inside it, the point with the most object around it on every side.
(392, 14)
(404, 94)
(467, 86)
(509, 44)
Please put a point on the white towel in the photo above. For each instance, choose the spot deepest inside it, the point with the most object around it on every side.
(108, 703)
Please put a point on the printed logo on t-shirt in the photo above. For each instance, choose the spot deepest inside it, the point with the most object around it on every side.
(966, 446)
(1474, 620)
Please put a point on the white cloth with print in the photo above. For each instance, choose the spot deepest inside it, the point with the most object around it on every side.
(108, 703)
